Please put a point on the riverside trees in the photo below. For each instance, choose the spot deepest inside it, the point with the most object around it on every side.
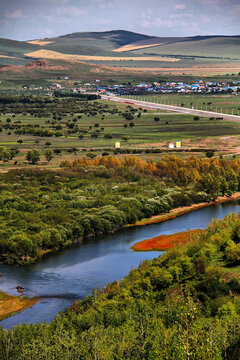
(96, 195)
(182, 305)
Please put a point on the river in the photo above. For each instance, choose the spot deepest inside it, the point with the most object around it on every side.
(62, 277)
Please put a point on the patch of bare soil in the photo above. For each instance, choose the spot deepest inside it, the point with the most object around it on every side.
(40, 42)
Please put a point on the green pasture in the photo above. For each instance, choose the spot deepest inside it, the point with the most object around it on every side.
(146, 130)
(224, 47)
(227, 104)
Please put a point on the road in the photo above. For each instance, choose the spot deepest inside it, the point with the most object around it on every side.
(173, 108)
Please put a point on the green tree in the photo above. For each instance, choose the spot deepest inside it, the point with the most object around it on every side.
(108, 136)
(49, 155)
(33, 156)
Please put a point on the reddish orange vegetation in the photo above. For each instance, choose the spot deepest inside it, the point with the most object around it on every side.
(166, 242)
(9, 304)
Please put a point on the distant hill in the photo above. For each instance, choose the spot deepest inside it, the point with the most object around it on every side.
(118, 37)
(126, 49)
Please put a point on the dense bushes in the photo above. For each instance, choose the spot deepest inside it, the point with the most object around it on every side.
(51, 210)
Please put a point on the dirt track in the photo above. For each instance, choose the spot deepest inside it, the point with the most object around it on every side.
(177, 109)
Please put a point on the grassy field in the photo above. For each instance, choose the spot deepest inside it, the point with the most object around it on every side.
(144, 133)
(223, 47)
(227, 104)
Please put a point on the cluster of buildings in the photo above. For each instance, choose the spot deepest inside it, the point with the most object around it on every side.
(199, 86)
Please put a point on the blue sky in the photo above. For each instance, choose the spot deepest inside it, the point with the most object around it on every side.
(34, 19)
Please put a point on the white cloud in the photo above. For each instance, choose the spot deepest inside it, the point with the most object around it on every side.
(104, 4)
(170, 26)
(16, 14)
(180, 15)
(180, 7)
(59, 1)
(57, 19)
(215, 2)
(103, 21)
(70, 11)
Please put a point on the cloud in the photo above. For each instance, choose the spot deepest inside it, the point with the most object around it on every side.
(180, 7)
(103, 21)
(179, 16)
(16, 14)
(216, 2)
(59, 1)
(70, 11)
(52, 2)
(57, 19)
(170, 26)
(104, 4)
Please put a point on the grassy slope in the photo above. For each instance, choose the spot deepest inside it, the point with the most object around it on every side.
(15, 49)
(227, 47)
(77, 43)
(93, 43)
(115, 38)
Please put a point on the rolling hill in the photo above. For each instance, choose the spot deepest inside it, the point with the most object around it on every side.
(121, 50)
(200, 46)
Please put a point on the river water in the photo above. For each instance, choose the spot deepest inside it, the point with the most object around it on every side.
(62, 277)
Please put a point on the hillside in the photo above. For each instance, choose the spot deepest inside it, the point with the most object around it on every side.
(226, 47)
(120, 49)
(12, 52)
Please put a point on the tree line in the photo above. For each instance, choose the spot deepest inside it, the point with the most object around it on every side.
(44, 210)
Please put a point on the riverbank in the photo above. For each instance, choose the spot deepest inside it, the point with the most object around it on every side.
(166, 242)
(183, 210)
(10, 305)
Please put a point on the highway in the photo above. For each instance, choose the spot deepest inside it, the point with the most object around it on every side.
(183, 110)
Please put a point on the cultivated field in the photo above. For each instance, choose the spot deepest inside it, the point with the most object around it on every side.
(134, 47)
(47, 54)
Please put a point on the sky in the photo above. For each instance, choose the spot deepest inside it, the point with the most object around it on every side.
(37, 19)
